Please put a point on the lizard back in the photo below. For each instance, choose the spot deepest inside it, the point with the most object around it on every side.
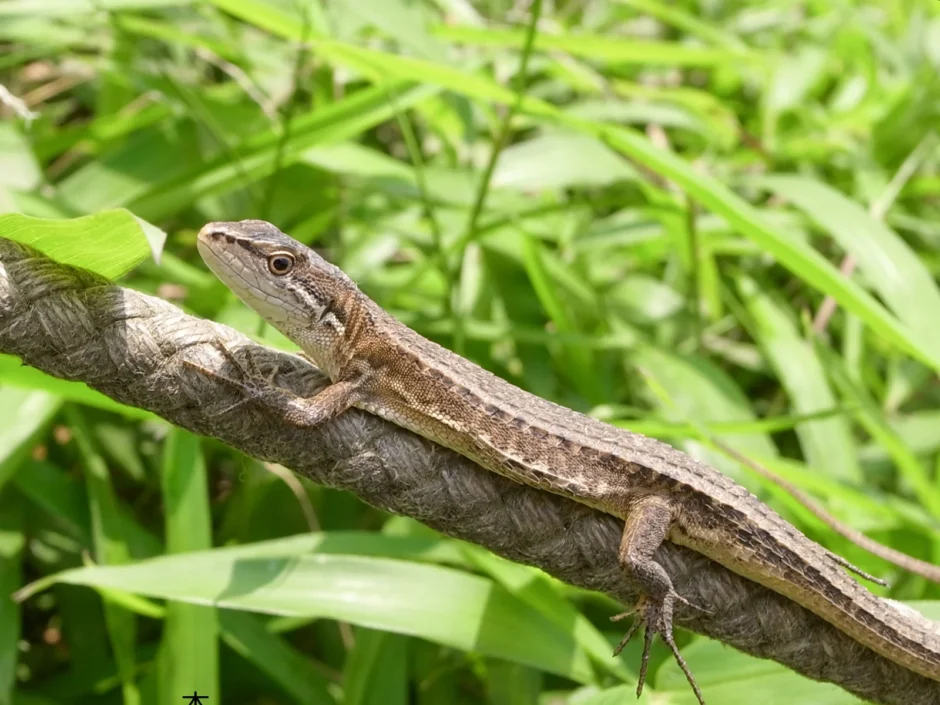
(452, 401)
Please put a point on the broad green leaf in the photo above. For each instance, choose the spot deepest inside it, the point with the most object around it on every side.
(728, 677)
(537, 590)
(439, 604)
(732, 678)
(110, 243)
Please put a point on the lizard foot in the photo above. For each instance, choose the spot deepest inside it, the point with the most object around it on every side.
(302, 412)
(252, 383)
(656, 617)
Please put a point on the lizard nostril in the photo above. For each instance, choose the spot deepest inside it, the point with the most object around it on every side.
(212, 232)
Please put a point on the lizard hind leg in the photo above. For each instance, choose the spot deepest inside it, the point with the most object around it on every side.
(647, 525)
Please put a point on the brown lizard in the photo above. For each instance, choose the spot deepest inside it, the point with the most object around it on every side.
(380, 365)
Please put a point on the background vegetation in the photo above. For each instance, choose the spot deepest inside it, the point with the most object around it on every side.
(636, 208)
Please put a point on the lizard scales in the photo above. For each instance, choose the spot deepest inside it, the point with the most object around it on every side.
(380, 365)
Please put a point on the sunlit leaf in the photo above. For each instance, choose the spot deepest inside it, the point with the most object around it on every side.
(110, 243)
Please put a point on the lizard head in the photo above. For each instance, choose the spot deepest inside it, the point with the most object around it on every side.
(287, 283)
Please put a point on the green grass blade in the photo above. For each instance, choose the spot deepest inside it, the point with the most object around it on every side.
(257, 155)
(271, 18)
(696, 388)
(891, 267)
(63, 497)
(827, 444)
(603, 48)
(288, 667)
(24, 417)
(12, 540)
(799, 258)
(576, 360)
(649, 426)
(376, 669)
(869, 415)
(70, 8)
(110, 548)
(189, 659)
(627, 211)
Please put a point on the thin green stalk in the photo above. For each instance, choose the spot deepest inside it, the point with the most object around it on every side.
(695, 278)
(205, 118)
(437, 235)
(501, 136)
(287, 117)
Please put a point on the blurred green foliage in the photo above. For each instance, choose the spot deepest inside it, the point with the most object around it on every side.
(641, 217)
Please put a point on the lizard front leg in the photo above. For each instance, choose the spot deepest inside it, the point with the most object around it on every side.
(647, 525)
(303, 412)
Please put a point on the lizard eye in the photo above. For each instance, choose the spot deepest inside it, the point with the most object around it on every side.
(280, 263)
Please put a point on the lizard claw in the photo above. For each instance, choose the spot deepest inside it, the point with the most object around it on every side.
(656, 617)
(247, 367)
(692, 605)
(253, 385)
